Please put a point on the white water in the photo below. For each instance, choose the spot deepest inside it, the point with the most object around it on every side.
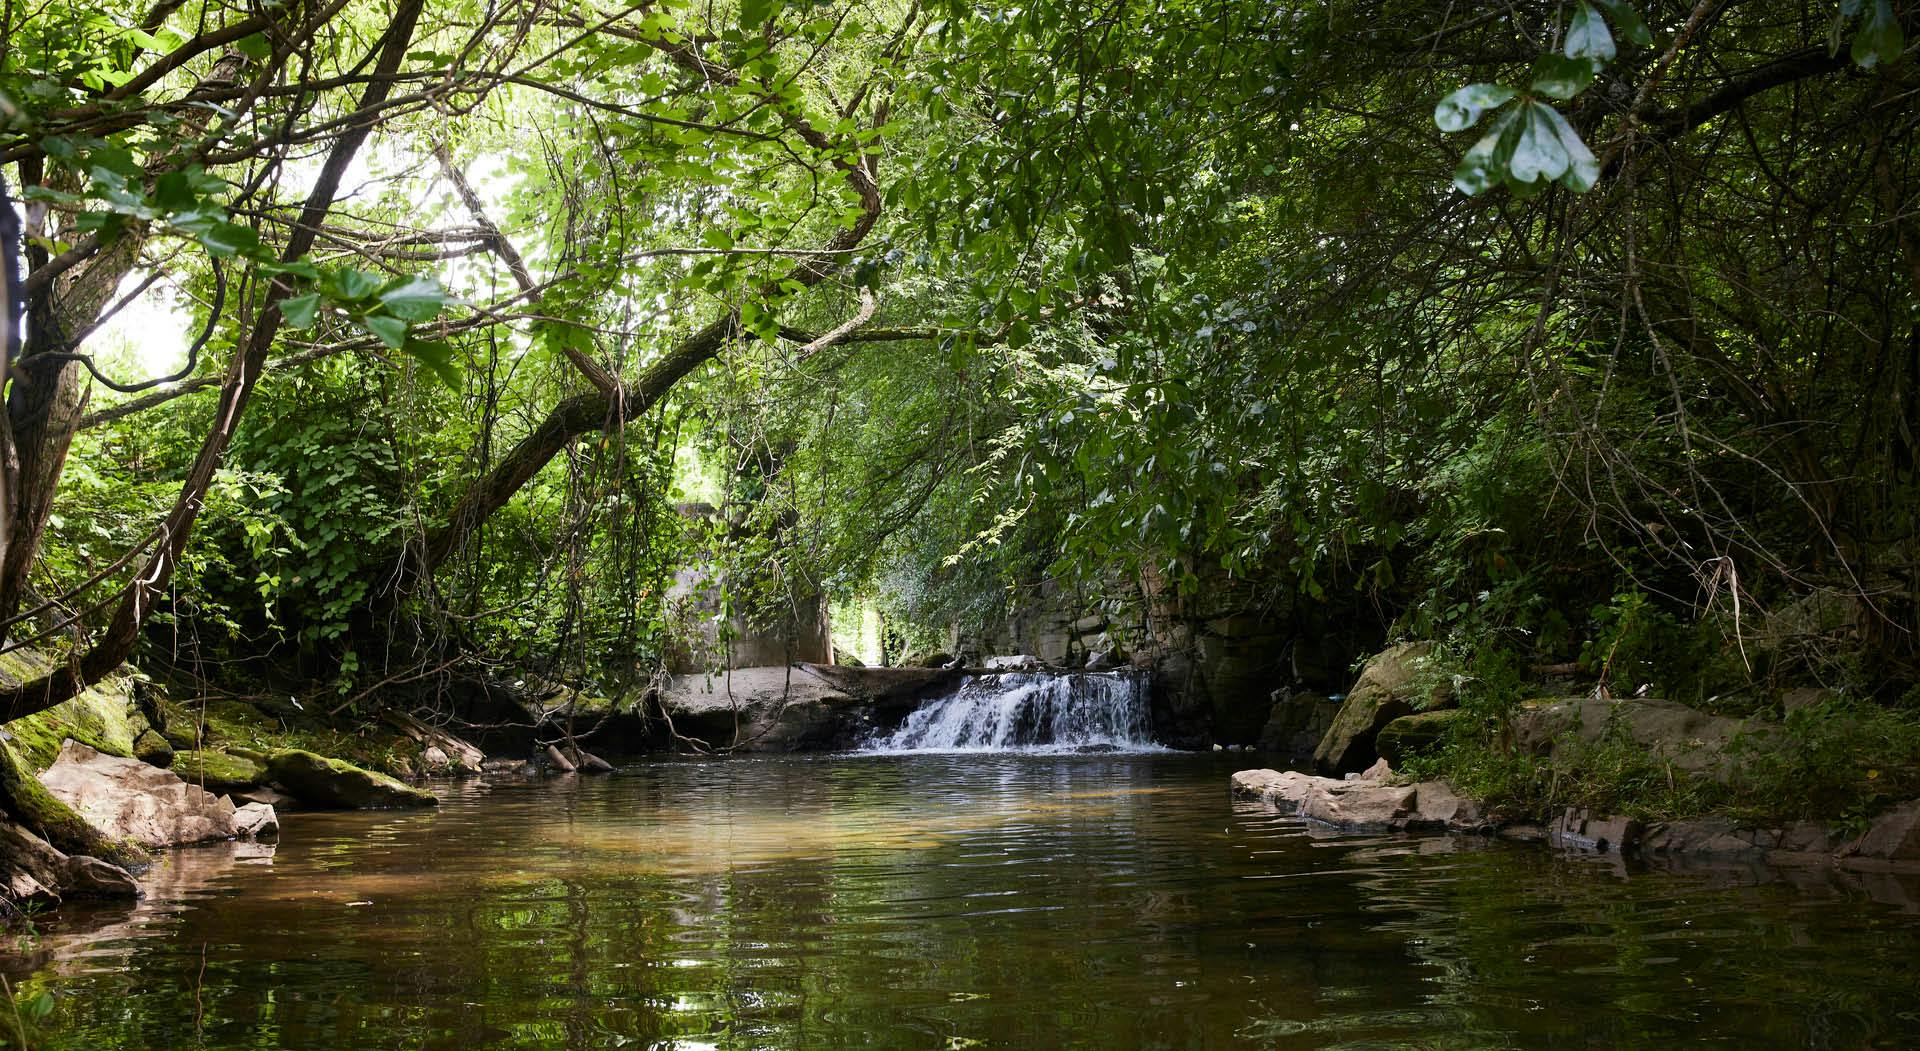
(1027, 712)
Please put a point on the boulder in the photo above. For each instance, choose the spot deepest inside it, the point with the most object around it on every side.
(1413, 735)
(1382, 694)
(256, 821)
(1893, 836)
(803, 707)
(153, 749)
(1296, 723)
(219, 772)
(316, 780)
(1691, 741)
(87, 877)
(127, 799)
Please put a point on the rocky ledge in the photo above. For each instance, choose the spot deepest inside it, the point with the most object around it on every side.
(1371, 802)
(1366, 802)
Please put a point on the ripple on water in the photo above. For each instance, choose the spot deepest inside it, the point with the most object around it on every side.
(992, 901)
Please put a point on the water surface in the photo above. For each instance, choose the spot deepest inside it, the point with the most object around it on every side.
(1030, 902)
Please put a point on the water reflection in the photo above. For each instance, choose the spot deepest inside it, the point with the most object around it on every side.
(1023, 902)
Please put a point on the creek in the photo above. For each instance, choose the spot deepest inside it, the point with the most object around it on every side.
(925, 901)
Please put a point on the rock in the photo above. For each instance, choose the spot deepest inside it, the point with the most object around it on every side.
(514, 767)
(1017, 662)
(265, 794)
(848, 660)
(182, 734)
(1107, 659)
(935, 660)
(218, 772)
(590, 763)
(1522, 832)
(92, 878)
(1379, 771)
(1576, 829)
(1413, 735)
(1437, 805)
(441, 752)
(319, 781)
(1692, 742)
(558, 760)
(1804, 697)
(256, 821)
(1807, 837)
(127, 799)
(1382, 694)
(1360, 805)
(153, 749)
(1297, 722)
(31, 868)
(803, 707)
(1893, 836)
(1715, 836)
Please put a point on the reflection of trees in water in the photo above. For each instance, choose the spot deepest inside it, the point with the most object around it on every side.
(1088, 902)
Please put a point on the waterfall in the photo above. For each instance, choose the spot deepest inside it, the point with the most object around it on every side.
(1030, 712)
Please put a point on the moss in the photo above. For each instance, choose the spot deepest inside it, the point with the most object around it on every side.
(30, 804)
(218, 771)
(325, 781)
(103, 717)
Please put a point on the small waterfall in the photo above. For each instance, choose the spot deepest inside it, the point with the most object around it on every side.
(1031, 712)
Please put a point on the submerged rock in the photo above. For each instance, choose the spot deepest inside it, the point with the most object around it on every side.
(127, 799)
(1383, 693)
(319, 781)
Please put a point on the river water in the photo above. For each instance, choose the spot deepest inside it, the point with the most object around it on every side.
(953, 901)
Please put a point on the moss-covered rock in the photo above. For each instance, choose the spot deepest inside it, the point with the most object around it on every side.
(319, 781)
(153, 749)
(218, 772)
(104, 717)
(29, 803)
(1383, 693)
(1412, 735)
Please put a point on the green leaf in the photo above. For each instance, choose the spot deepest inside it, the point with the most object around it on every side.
(391, 330)
(1582, 169)
(254, 47)
(437, 356)
(1627, 22)
(1879, 40)
(755, 13)
(300, 311)
(415, 298)
(1463, 108)
(173, 192)
(1560, 77)
(350, 285)
(1486, 162)
(1587, 35)
(227, 240)
(1538, 153)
